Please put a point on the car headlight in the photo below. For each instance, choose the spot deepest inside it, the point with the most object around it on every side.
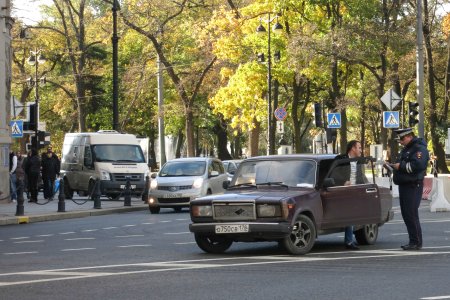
(153, 184)
(104, 175)
(198, 183)
(201, 210)
(268, 210)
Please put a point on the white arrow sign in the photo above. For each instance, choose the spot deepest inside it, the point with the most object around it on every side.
(391, 99)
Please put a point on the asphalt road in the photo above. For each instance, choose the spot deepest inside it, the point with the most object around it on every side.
(142, 256)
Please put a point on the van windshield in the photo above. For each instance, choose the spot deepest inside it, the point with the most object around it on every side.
(118, 153)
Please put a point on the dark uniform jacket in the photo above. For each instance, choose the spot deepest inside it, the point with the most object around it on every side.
(413, 161)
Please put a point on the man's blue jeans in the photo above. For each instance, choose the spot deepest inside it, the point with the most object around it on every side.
(348, 238)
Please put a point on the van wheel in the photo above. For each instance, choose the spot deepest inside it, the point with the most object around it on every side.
(154, 210)
(68, 192)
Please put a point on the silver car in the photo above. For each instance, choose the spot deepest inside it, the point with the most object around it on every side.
(181, 180)
(231, 167)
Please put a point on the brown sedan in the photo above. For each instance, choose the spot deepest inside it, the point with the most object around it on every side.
(291, 199)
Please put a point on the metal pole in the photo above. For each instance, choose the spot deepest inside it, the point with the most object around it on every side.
(36, 99)
(162, 144)
(115, 41)
(269, 92)
(419, 69)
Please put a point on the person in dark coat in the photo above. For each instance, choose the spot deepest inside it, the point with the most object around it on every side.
(409, 171)
(50, 169)
(32, 170)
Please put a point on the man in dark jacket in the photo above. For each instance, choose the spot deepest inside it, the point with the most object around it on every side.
(50, 169)
(32, 170)
(409, 171)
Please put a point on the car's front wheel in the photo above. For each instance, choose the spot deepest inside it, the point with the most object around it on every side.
(212, 243)
(367, 235)
(302, 238)
(154, 209)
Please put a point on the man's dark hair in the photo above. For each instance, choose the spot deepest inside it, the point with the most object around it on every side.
(351, 144)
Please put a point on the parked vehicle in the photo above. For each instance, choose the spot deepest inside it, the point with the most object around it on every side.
(231, 167)
(112, 157)
(291, 199)
(181, 180)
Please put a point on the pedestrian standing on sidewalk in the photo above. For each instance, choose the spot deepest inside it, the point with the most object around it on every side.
(26, 188)
(20, 173)
(50, 169)
(32, 170)
(12, 175)
(409, 171)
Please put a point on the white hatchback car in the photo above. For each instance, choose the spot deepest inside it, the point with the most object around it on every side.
(181, 180)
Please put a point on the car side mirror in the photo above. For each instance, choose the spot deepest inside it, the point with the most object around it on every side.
(214, 174)
(328, 182)
(153, 176)
(226, 184)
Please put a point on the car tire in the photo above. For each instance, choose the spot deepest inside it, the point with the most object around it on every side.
(68, 192)
(367, 235)
(212, 243)
(154, 210)
(302, 238)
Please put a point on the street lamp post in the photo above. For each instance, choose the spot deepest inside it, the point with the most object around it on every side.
(262, 30)
(35, 59)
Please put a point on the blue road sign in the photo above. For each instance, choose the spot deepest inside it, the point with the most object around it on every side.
(334, 120)
(16, 128)
(391, 119)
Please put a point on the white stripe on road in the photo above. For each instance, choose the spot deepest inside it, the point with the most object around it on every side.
(78, 249)
(20, 238)
(182, 219)
(44, 235)
(130, 246)
(23, 242)
(18, 253)
(435, 298)
(77, 239)
(128, 225)
(167, 221)
(148, 223)
(403, 233)
(69, 232)
(107, 228)
(187, 243)
(173, 233)
(127, 236)
(89, 230)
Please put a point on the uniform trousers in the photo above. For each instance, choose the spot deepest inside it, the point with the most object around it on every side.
(410, 196)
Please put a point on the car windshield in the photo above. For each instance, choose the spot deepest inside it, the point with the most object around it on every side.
(118, 153)
(191, 168)
(293, 173)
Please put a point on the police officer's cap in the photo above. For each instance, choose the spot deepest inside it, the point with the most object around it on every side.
(403, 132)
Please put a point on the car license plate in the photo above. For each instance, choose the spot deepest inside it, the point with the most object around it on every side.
(232, 228)
(133, 186)
(172, 196)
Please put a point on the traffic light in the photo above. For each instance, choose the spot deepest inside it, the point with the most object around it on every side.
(318, 115)
(42, 140)
(31, 123)
(413, 112)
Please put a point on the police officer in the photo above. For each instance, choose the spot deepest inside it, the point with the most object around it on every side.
(409, 171)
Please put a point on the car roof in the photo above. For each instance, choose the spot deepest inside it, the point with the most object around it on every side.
(317, 157)
(192, 159)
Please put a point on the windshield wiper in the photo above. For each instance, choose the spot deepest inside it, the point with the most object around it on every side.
(242, 185)
(270, 183)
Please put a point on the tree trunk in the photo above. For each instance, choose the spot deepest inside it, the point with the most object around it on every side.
(190, 132)
(180, 141)
(222, 140)
(254, 139)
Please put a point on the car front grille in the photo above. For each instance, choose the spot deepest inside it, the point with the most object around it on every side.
(174, 200)
(174, 188)
(234, 211)
(125, 176)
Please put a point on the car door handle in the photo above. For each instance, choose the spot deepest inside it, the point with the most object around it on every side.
(371, 190)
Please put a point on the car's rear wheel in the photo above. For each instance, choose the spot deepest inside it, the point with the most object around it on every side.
(367, 235)
(154, 209)
(302, 238)
(212, 243)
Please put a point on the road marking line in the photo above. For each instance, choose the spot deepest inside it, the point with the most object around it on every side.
(174, 233)
(20, 238)
(126, 236)
(78, 249)
(438, 297)
(108, 228)
(18, 253)
(44, 235)
(167, 221)
(187, 243)
(148, 223)
(77, 239)
(130, 246)
(403, 233)
(128, 225)
(23, 242)
(69, 232)
(89, 230)
(182, 219)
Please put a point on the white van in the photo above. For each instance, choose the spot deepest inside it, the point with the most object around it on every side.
(107, 155)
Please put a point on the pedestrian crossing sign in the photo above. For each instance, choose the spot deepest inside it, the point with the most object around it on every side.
(334, 120)
(16, 128)
(391, 119)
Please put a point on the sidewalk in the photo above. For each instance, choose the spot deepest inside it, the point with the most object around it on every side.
(49, 212)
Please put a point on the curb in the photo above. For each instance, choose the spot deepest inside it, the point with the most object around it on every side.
(68, 215)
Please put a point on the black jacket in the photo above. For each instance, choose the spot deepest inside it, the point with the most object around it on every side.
(33, 165)
(50, 166)
(413, 161)
(341, 173)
